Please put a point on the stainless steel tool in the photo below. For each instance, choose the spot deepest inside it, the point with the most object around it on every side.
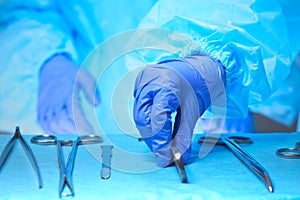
(231, 143)
(106, 161)
(10, 145)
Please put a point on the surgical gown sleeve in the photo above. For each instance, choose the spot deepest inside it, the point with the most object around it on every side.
(249, 38)
(287, 98)
(31, 32)
(96, 21)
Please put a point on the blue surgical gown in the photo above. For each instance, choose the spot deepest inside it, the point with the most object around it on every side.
(251, 39)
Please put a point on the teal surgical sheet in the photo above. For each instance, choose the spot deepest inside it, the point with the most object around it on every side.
(218, 175)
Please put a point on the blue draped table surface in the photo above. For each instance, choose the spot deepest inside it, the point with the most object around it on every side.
(219, 175)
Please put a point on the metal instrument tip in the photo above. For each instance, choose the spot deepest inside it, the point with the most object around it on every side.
(268, 182)
(271, 189)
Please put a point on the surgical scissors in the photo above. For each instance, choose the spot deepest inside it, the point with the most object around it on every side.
(292, 153)
(66, 170)
(231, 143)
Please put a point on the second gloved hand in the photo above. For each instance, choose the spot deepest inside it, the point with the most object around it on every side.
(59, 109)
(174, 86)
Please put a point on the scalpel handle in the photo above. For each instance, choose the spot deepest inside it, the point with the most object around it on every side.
(106, 161)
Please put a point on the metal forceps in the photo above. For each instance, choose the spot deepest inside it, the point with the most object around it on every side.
(66, 170)
(9, 146)
(231, 143)
(292, 153)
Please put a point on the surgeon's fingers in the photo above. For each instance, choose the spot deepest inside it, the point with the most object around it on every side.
(164, 104)
(153, 109)
(64, 117)
(61, 123)
(143, 102)
(79, 117)
(142, 112)
(87, 83)
(55, 119)
(183, 131)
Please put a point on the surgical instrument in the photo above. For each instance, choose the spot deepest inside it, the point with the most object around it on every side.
(8, 148)
(292, 153)
(177, 159)
(179, 165)
(231, 143)
(106, 160)
(66, 170)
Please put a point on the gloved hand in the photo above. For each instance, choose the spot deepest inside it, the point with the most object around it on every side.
(176, 85)
(59, 109)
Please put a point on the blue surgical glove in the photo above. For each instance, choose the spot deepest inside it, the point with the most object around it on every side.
(181, 86)
(59, 108)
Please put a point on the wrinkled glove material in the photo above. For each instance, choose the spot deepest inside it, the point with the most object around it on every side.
(174, 85)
